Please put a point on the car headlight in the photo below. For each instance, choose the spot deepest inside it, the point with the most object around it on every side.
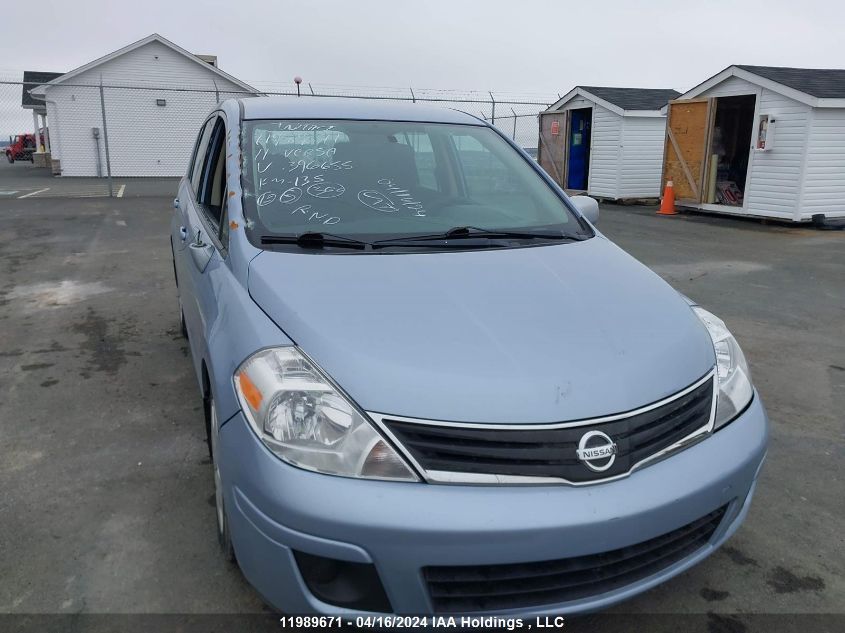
(300, 416)
(735, 389)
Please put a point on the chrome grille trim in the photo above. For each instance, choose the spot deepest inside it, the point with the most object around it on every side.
(449, 477)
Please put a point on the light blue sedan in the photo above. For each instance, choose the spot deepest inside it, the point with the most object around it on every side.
(430, 384)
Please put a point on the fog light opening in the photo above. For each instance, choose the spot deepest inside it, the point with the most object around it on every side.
(343, 584)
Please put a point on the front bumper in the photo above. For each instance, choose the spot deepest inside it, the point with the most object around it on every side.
(275, 508)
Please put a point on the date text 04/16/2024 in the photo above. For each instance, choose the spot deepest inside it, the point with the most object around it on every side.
(419, 622)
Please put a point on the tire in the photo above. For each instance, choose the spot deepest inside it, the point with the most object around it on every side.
(182, 327)
(9, 157)
(224, 536)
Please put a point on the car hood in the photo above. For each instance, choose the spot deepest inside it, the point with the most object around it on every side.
(526, 335)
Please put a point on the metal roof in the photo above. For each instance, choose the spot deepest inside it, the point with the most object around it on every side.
(634, 98)
(31, 79)
(825, 83)
(349, 108)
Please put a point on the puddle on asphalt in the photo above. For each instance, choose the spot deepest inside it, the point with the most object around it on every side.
(56, 294)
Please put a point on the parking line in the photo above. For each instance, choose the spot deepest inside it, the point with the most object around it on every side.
(120, 191)
(32, 193)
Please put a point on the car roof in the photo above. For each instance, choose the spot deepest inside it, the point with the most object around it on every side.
(344, 108)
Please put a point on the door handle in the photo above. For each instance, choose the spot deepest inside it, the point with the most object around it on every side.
(175, 203)
(183, 233)
(201, 252)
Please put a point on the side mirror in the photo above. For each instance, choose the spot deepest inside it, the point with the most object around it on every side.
(589, 207)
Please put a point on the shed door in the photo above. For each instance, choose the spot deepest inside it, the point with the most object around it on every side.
(687, 129)
(551, 146)
(579, 149)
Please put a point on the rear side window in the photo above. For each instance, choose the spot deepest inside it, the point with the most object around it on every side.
(420, 143)
(486, 176)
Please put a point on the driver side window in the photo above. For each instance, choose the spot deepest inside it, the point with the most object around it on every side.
(209, 176)
(213, 181)
(199, 154)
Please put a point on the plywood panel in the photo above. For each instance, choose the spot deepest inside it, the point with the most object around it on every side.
(551, 148)
(686, 147)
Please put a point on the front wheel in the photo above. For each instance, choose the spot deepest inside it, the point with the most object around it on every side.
(224, 537)
(10, 158)
(183, 329)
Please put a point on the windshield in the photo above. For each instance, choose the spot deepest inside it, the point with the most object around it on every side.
(382, 180)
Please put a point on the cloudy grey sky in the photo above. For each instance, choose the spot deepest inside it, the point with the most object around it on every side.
(529, 46)
(529, 49)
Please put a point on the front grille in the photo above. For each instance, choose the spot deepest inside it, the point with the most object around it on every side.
(551, 452)
(464, 589)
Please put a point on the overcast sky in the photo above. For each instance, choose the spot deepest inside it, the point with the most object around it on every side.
(530, 47)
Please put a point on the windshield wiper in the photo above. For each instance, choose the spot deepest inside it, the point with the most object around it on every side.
(315, 240)
(472, 232)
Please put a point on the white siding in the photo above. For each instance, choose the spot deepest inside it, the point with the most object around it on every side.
(824, 175)
(575, 103)
(774, 185)
(144, 139)
(55, 132)
(641, 165)
(605, 153)
(72, 114)
(606, 135)
(731, 87)
(154, 64)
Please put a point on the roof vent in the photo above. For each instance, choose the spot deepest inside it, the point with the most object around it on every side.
(209, 59)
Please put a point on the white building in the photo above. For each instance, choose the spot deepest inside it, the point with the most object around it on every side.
(31, 79)
(156, 96)
(607, 142)
(760, 141)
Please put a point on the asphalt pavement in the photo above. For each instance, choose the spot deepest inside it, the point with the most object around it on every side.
(106, 494)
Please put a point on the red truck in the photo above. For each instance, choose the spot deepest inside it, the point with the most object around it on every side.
(21, 147)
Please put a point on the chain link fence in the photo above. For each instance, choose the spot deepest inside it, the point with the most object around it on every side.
(106, 130)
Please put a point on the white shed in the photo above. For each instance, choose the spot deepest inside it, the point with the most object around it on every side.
(760, 141)
(607, 142)
(156, 95)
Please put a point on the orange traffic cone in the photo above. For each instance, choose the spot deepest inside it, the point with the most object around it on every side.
(667, 204)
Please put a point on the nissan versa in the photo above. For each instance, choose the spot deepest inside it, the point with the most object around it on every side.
(430, 384)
